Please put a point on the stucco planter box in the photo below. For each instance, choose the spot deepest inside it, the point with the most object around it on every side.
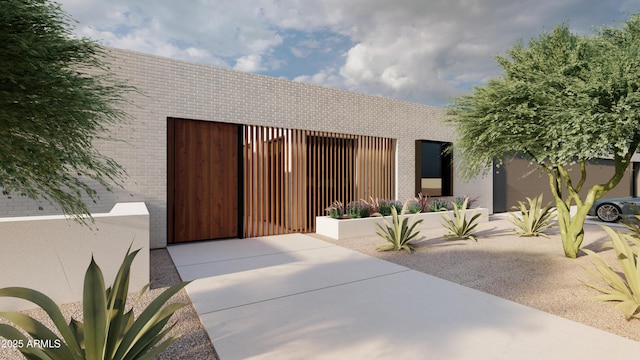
(349, 228)
(51, 253)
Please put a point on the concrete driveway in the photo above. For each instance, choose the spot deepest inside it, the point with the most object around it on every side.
(298, 297)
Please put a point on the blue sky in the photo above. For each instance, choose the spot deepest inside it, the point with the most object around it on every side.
(419, 51)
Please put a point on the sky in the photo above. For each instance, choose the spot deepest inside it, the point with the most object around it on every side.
(422, 51)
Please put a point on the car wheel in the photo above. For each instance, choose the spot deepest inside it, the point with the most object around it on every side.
(608, 212)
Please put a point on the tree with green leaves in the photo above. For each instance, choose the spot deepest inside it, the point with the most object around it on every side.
(563, 100)
(57, 95)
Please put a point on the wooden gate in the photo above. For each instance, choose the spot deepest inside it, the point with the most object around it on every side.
(203, 177)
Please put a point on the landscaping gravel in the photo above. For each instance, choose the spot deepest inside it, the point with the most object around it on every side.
(532, 271)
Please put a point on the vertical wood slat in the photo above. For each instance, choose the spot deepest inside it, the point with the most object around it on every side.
(261, 183)
(270, 174)
(318, 165)
(301, 179)
(247, 175)
(285, 181)
(303, 182)
(292, 175)
(281, 182)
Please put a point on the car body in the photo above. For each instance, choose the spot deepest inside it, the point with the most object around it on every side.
(613, 209)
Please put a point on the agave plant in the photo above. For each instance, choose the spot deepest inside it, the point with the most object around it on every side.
(400, 232)
(532, 221)
(623, 288)
(460, 227)
(108, 332)
(632, 223)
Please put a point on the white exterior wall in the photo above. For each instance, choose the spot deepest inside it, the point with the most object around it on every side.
(173, 88)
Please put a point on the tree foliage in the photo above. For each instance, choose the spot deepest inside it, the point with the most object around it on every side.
(562, 100)
(57, 96)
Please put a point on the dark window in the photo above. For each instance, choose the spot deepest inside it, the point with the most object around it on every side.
(434, 170)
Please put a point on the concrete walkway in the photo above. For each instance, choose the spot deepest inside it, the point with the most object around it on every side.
(298, 297)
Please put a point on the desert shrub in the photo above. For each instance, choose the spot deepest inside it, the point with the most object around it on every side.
(414, 207)
(459, 200)
(398, 205)
(335, 210)
(384, 207)
(358, 209)
(373, 204)
(436, 205)
(400, 232)
(461, 227)
(532, 220)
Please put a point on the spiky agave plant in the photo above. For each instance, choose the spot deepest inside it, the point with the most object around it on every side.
(461, 227)
(532, 220)
(624, 287)
(400, 232)
(108, 332)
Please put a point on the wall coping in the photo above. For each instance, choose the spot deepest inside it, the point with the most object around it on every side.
(119, 209)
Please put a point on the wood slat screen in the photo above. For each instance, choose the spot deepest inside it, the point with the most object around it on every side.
(291, 176)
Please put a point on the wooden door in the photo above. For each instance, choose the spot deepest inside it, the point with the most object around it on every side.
(203, 180)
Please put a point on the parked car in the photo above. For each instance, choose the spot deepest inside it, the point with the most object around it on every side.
(612, 209)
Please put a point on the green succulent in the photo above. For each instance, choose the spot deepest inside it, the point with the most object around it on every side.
(532, 221)
(461, 227)
(623, 287)
(400, 232)
(108, 332)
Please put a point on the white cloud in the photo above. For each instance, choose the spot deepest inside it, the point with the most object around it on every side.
(414, 50)
(325, 77)
(205, 32)
(249, 63)
(428, 51)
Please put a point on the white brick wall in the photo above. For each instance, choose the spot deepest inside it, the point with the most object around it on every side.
(172, 88)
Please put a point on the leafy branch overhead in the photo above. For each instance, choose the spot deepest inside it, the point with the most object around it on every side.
(57, 96)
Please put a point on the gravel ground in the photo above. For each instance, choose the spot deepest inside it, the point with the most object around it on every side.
(532, 271)
(194, 343)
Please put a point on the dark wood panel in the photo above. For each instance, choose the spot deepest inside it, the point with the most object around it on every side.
(205, 180)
